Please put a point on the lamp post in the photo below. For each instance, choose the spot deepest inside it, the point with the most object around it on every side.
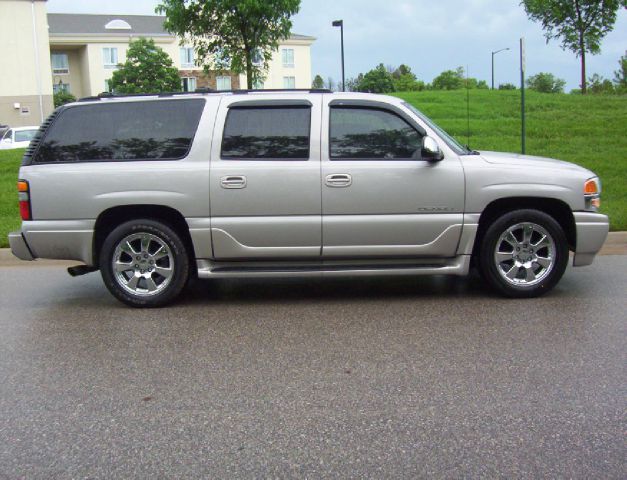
(340, 23)
(494, 53)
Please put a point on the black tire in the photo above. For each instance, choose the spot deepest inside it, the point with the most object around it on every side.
(164, 252)
(506, 276)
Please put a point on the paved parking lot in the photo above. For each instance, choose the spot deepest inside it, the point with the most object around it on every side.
(373, 378)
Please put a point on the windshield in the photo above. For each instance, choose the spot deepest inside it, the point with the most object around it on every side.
(450, 141)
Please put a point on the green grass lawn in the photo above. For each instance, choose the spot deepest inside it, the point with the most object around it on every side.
(590, 131)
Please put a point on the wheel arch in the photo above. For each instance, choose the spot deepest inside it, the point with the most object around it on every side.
(110, 218)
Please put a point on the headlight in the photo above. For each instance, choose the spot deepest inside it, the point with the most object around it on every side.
(592, 194)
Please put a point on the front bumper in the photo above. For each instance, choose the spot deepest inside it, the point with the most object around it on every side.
(592, 230)
(19, 247)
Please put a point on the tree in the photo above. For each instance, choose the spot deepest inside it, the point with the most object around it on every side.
(507, 86)
(330, 84)
(449, 80)
(318, 82)
(148, 69)
(598, 84)
(377, 80)
(352, 84)
(236, 35)
(546, 83)
(620, 75)
(404, 80)
(581, 24)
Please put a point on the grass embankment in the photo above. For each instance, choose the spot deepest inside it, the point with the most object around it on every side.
(590, 131)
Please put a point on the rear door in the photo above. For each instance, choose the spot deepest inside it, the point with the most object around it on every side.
(265, 178)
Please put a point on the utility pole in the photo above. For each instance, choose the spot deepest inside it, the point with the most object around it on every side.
(494, 53)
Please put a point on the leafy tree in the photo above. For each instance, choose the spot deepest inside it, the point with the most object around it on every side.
(404, 80)
(330, 83)
(232, 34)
(546, 83)
(598, 84)
(449, 80)
(62, 97)
(620, 75)
(377, 80)
(352, 84)
(482, 85)
(318, 82)
(507, 86)
(148, 69)
(580, 24)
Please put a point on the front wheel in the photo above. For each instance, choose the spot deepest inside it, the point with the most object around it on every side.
(524, 253)
(144, 263)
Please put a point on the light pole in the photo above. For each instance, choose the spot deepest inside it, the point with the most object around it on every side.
(340, 23)
(494, 53)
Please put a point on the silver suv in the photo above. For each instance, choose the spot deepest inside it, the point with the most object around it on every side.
(152, 190)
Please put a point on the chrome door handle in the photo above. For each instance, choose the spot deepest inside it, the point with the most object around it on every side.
(339, 180)
(233, 181)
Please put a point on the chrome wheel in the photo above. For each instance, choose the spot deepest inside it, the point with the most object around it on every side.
(525, 254)
(143, 264)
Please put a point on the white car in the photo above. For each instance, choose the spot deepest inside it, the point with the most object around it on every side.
(18, 137)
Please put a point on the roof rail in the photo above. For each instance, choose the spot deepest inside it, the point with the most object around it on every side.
(203, 90)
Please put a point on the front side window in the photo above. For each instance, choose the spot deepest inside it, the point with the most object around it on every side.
(119, 131)
(110, 57)
(223, 83)
(267, 133)
(187, 57)
(8, 135)
(60, 63)
(289, 82)
(288, 57)
(372, 134)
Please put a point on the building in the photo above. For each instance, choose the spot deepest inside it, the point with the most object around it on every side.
(78, 53)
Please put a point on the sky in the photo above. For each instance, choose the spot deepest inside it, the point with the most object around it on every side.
(429, 36)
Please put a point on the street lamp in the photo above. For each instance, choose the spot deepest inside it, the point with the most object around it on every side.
(494, 53)
(340, 23)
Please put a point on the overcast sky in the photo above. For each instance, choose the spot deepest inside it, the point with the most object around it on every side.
(429, 36)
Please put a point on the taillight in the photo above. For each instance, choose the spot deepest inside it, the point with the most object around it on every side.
(23, 192)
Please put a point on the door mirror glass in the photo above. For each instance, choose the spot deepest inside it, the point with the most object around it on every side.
(431, 150)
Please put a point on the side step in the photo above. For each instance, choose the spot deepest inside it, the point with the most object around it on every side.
(455, 266)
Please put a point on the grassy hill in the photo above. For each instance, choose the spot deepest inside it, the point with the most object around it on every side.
(590, 131)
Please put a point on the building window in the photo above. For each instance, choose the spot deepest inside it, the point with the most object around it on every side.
(110, 57)
(289, 82)
(107, 86)
(258, 84)
(187, 57)
(60, 87)
(288, 57)
(60, 63)
(188, 84)
(257, 57)
(223, 83)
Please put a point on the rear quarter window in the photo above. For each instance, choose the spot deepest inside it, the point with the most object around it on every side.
(122, 131)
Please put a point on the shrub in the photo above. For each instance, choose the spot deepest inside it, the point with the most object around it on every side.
(62, 97)
(546, 83)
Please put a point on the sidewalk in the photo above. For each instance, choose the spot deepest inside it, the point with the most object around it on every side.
(616, 244)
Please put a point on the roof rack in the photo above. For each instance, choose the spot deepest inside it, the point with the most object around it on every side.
(203, 90)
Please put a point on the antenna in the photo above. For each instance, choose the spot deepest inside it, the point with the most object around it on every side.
(467, 110)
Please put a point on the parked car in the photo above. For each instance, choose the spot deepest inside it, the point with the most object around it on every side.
(18, 137)
(152, 190)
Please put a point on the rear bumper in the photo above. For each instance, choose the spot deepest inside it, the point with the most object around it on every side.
(19, 247)
(592, 230)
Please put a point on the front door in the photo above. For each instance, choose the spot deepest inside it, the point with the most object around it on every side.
(265, 178)
(379, 198)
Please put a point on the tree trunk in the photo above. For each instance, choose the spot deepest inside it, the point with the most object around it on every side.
(582, 48)
(249, 69)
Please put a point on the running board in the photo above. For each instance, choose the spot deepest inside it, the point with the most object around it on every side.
(455, 266)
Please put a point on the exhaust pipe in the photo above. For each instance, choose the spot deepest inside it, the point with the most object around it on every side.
(80, 270)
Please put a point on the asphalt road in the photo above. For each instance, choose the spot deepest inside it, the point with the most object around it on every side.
(379, 378)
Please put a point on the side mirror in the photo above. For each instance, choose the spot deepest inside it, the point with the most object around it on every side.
(7, 140)
(431, 150)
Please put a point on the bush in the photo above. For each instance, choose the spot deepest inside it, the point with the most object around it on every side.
(377, 80)
(62, 97)
(449, 80)
(597, 84)
(546, 83)
(507, 86)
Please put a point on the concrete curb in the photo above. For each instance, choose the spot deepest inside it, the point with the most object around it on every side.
(616, 244)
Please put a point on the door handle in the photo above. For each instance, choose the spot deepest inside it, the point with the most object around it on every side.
(339, 180)
(233, 181)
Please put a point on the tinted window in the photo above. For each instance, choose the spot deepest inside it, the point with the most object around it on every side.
(267, 133)
(148, 130)
(368, 133)
(24, 135)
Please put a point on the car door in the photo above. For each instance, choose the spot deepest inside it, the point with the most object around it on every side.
(265, 178)
(379, 197)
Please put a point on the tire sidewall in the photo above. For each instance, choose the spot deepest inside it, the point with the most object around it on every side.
(177, 247)
(489, 268)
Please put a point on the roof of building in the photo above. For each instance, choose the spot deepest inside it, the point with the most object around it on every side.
(90, 24)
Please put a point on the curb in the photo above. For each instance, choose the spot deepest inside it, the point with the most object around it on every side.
(616, 244)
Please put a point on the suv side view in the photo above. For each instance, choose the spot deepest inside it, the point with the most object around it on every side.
(152, 190)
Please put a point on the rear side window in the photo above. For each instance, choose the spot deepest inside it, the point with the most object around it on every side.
(122, 131)
(267, 133)
(372, 134)
(24, 135)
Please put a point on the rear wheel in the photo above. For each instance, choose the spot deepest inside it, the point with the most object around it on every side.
(524, 253)
(144, 263)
